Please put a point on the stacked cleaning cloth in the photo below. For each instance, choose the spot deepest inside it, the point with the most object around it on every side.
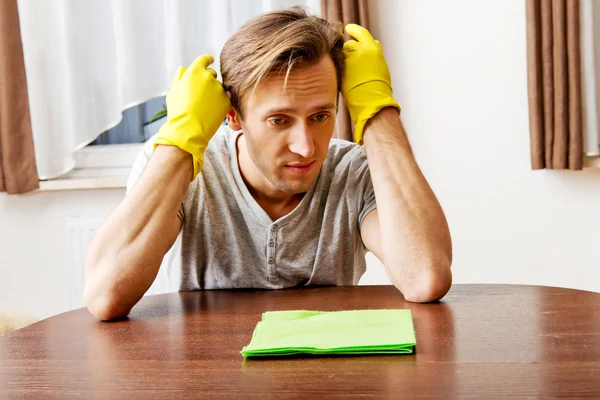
(283, 333)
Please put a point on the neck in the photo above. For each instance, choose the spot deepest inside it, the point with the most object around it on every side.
(275, 202)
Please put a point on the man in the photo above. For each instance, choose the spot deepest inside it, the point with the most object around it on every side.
(273, 201)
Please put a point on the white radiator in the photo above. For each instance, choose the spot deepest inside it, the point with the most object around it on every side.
(79, 234)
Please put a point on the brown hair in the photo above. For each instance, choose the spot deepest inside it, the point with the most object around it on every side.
(277, 42)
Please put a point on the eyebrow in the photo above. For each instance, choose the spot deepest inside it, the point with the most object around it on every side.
(285, 110)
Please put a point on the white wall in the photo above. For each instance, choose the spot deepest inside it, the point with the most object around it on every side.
(36, 275)
(459, 72)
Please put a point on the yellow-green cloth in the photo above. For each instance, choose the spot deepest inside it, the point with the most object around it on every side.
(282, 333)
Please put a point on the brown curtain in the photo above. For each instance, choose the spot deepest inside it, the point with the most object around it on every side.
(554, 83)
(348, 12)
(18, 172)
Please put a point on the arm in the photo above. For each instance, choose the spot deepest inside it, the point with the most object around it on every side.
(126, 253)
(408, 230)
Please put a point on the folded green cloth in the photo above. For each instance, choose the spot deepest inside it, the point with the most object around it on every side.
(282, 333)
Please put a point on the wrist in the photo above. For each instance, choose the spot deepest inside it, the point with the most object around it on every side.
(386, 117)
(385, 129)
(176, 160)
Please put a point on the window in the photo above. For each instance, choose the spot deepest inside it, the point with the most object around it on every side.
(106, 162)
(139, 124)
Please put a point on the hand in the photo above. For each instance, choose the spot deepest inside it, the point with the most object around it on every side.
(196, 106)
(367, 84)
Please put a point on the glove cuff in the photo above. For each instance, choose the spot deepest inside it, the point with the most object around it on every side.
(170, 137)
(369, 113)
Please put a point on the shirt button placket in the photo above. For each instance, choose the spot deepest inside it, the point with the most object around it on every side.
(271, 249)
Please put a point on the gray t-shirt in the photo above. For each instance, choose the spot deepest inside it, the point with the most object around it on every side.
(228, 241)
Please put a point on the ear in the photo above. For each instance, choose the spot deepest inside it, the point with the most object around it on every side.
(233, 120)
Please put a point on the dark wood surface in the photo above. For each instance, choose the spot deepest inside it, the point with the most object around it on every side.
(481, 342)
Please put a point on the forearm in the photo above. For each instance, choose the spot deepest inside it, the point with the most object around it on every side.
(416, 243)
(126, 253)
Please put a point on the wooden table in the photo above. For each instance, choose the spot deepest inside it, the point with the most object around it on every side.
(482, 341)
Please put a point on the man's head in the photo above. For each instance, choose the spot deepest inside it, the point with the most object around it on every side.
(283, 71)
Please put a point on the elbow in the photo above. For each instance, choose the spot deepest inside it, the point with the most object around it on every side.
(428, 286)
(102, 306)
(105, 310)
(97, 295)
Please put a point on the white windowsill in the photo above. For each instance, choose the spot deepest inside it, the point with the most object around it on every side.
(591, 163)
(97, 167)
(86, 179)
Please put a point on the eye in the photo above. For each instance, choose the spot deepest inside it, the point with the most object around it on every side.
(321, 117)
(277, 121)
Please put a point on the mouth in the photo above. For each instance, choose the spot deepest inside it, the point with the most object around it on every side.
(300, 168)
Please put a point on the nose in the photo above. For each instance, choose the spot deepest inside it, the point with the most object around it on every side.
(302, 142)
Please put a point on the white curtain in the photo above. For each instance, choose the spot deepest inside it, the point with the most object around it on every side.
(590, 75)
(88, 60)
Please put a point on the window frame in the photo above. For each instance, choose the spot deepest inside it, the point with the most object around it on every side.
(97, 167)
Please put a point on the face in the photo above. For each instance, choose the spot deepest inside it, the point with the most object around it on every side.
(287, 133)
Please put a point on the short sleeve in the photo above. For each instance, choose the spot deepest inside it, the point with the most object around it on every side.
(139, 166)
(364, 190)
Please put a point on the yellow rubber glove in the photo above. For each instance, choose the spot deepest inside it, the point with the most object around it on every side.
(367, 84)
(196, 106)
